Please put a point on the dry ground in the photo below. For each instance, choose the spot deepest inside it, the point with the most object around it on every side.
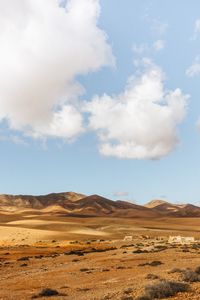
(35, 254)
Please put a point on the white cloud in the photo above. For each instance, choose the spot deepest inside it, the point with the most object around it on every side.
(141, 49)
(196, 29)
(43, 48)
(121, 194)
(159, 45)
(158, 27)
(194, 69)
(140, 123)
(13, 138)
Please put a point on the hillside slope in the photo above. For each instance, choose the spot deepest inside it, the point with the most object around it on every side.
(74, 204)
(175, 210)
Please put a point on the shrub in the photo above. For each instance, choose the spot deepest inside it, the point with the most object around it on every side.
(155, 263)
(163, 289)
(174, 270)
(83, 289)
(47, 293)
(125, 297)
(74, 252)
(195, 246)
(138, 251)
(197, 270)
(128, 291)
(160, 248)
(25, 258)
(190, 276)
(84, 270)
(151, 276)
(23, 265)
(39, 256)
(120, 267)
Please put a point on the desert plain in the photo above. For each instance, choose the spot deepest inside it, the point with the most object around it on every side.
(47, 253)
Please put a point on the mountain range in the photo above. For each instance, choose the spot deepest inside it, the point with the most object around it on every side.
(74, 204)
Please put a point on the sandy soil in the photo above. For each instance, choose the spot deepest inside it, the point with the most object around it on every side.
(35, 254)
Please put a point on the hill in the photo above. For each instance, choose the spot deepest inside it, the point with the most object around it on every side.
(74, 204)
(39, 202)
(175, 210)
(99, 206)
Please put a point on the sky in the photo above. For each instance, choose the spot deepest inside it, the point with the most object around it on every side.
(100, 97)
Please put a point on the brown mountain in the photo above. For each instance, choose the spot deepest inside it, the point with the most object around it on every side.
(155, 203)
(100, 206)
(39, 202)
(175, 210)
(189, 210)
(75, 204)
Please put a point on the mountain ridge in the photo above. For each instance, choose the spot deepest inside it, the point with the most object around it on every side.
(76, 204)
(176, 210)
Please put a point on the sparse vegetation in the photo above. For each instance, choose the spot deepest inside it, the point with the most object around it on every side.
(174, 270)
(190, 276)
(39, 256)
(138, 251)
(43, 263)
(126, 297)
(128, 291)
(197, 270)
(154, 263)
(46, 293)
(84, 270)
(152, 276)
(83, 289)
(120, 267)
(160, 248)
(23, 265)
(25, 258)
(163, 289)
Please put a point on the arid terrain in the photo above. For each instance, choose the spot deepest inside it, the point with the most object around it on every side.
(69, 246)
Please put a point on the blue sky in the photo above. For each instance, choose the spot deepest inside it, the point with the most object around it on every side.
(142, 36)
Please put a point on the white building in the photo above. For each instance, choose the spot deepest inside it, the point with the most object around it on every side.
(181, 240)
(128, 238)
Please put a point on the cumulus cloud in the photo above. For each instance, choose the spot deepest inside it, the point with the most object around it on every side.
(141, 122)
(44, 46)
(194, 69)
